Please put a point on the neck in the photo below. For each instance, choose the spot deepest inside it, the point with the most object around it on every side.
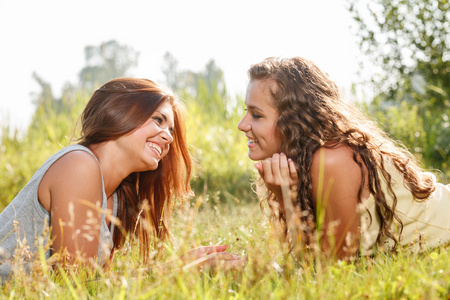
(113, 166)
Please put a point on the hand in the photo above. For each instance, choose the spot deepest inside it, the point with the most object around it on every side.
(202, 257)
(202, 251)
(219, 261)
(278, 171)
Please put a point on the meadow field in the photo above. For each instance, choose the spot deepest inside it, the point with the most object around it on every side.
(224, 210)
(270, 272)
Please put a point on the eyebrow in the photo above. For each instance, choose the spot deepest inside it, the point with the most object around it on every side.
(163, 115)
(253, 107)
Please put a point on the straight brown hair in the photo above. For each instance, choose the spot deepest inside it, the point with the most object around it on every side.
(118, 108)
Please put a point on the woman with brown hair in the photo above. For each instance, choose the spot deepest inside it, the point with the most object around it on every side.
(132, 160)
(325, 163)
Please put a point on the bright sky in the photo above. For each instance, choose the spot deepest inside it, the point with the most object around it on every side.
(48, 37)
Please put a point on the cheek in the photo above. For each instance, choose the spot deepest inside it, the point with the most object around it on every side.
(273, 133)
(275, 140)
(166, 151)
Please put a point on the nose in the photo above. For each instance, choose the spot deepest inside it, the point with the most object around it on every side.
(166, 135)
(243, 125)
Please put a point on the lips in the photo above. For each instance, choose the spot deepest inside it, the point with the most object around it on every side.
(157, 148)
(251, 142)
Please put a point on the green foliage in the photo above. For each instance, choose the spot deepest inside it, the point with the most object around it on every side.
(107, 61)
(218, 148)
(424, 134)
(50, 130)
(407, 42)
(269, 274)
(222, 172)
(222, 168)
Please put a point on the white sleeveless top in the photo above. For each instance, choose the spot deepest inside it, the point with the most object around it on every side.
(25, 219)
(426, 223)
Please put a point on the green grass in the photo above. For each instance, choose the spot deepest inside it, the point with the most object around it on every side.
(225, 211)
(269, 273)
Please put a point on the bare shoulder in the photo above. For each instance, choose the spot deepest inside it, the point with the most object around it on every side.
(75, 199)
(336, 185)
(77, 172)
(334, 159)
(75, 164)
(336, 164)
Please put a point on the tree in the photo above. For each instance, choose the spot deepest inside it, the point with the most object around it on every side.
(46, 94)
(207, 86)
(170, 70)
(220, 165)
(408, 42)
(105, 62)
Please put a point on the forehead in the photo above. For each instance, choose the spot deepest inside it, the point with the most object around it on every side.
(259, 93)
(166, 109)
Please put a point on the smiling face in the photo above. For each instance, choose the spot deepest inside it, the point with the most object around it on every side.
(259, 123)
(149, 143)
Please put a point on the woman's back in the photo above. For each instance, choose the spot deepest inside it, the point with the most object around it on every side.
(424, 223)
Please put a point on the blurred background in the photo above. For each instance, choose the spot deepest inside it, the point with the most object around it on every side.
(391, 58)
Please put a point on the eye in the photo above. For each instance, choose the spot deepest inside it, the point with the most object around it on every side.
(158, 120)
(253, 114)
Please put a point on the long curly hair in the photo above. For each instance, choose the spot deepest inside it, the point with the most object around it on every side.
(313, 114)
(117, 108)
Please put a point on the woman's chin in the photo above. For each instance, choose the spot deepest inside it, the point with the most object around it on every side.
(152, 165)
(255, 157)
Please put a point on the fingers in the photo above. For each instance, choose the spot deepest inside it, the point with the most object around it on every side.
(284, 170)
(202, 251)
(259, 167)
(206, 250)
(216, 249)
(234, 264)
(224, 261)
(222, 256)
(293, 172)
(277, 169)
(271, 169)
(267, 169)
(237, 264)
(225, 256)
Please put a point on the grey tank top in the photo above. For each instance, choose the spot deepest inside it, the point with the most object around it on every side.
(25, 219)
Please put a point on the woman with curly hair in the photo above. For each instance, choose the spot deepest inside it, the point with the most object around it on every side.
(324, 162)
(131, 160)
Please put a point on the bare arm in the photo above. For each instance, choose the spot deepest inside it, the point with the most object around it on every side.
(336, 180)
(72, 188)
